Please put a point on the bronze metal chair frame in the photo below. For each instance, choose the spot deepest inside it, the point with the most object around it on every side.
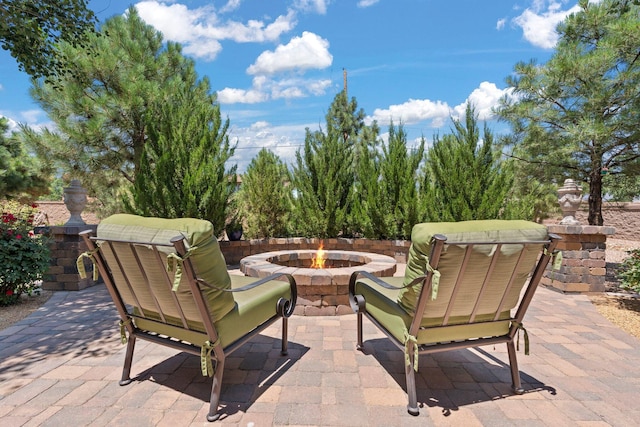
(358, 304)
(284, 310)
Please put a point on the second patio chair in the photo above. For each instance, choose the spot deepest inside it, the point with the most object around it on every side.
(463, 287)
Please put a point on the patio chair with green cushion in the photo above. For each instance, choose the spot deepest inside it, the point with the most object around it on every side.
(463, 287)
(169, 282)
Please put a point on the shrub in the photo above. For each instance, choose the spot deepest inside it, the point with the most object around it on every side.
(630, 271)
(24, 256)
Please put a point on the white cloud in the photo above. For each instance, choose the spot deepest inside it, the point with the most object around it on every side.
(264, 89)
(367, 3)
(317, 6)
(283, 141)
(500, 24)
(200, 30)
(232, 96)
(231, 5)
(414, 111)
(301, 53)
(539, 23)
(484, 99)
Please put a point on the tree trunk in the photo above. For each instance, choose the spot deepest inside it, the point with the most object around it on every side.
(595, 199)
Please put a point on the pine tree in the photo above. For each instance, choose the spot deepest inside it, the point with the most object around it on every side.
(103, 106)
(577, 115)
(265, 197)
(464, 179)
(20, 173)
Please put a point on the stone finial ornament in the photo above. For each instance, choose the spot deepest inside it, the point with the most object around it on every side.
(569, 197)
(75, 198)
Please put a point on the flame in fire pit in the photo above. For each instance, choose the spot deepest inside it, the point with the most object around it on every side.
(319, 258)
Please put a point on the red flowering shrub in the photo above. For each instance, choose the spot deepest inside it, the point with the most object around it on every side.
(24, 256)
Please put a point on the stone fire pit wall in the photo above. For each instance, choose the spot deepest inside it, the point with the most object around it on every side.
(235, 251)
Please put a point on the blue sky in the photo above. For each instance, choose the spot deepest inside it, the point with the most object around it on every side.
(277, 65)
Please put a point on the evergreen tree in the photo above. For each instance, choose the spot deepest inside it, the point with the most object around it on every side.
(182, 172)
(103, 108)
(399, 178)
(265, 197)
(32, 29)
(20, 173)
(577, 115)
(388, 187)
(464, 179)
(323, 175)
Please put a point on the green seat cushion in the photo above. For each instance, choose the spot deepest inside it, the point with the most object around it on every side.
(251, 309)
(206, 257)
(381, 304)
(478, 264)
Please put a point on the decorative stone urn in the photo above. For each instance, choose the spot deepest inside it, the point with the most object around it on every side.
(569, 197)
(75, 198)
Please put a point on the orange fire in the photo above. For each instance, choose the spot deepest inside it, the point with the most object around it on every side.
(320, 257)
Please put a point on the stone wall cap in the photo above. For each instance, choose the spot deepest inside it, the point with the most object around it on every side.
(581, 229)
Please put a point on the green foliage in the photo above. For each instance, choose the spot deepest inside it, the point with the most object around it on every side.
(24, 257)
(388, 187)
(323, 176)
(265, 197)
(578, 114)
(32, 29)
(102, 109)
(182, 168)
(463, 177)
(629, 273)
(21, 175)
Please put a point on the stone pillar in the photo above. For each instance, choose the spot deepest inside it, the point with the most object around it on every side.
(66, 245)
(583, 267)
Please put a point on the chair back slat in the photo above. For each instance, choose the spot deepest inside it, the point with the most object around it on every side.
(458, 284)
(485, 283)
(510, 284)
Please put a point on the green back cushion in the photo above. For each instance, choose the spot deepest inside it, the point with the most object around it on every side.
(452, 258)
(206, 258)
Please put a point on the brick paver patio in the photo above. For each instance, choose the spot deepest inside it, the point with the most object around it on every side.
(61, 365)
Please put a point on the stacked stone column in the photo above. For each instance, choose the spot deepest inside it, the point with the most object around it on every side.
(583, 267)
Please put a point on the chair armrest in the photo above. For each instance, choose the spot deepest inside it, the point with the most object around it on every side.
(285, 308)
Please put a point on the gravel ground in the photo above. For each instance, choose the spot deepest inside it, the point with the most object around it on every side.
(620, 307)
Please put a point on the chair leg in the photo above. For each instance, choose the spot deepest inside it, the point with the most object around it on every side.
(285, 337)
(128, 359)
(216, 386)
(515, 372)
(359, 344)
(410, 375)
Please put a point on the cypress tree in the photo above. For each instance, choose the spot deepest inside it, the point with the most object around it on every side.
(182, 172)
(323, 175)
(265, 196)
(464, 179)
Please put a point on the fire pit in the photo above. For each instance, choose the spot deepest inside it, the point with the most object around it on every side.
(322, 290)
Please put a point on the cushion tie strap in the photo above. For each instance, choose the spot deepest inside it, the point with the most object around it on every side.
(407, 360)
(174, 264)
(206, 365)
(556, 261)
(80, 264)
(123, 335)
(526, 338)
(435, 281)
